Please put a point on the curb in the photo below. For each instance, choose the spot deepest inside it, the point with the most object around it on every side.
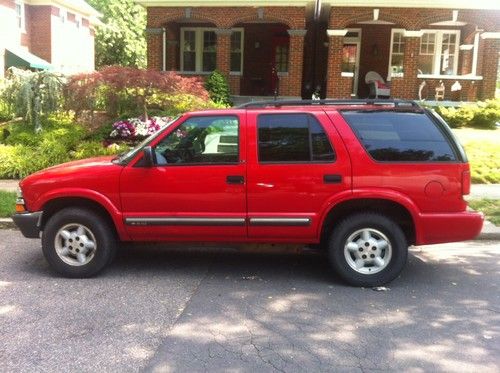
(490, 232)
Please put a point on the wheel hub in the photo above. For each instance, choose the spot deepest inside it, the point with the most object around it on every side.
(75, 244)
(368, 251)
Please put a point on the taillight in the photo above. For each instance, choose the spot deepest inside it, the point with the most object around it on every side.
(465, 182)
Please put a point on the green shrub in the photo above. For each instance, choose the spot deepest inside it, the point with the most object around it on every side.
(218, 88)
(91, 149)
(482, 115)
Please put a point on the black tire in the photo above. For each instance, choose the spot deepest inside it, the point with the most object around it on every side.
(94, 226)
(373, 223)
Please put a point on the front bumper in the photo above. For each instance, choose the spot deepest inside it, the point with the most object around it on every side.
(453, 227)
(29, 223)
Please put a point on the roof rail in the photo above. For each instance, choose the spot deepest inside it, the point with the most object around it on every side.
(383, 102)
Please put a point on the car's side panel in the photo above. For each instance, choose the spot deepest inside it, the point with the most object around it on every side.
(285, 199)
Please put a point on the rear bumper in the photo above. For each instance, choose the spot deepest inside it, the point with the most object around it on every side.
(441, 228)
(29, 223)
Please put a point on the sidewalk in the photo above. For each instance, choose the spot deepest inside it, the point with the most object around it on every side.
(478, 191)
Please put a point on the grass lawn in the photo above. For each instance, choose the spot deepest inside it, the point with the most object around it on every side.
(490, 207)
(7, 204)
(483, 150)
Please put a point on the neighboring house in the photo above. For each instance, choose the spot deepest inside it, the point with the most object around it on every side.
(38, 34)
(297, 47)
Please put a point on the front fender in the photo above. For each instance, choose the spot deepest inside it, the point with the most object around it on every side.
(113, 211)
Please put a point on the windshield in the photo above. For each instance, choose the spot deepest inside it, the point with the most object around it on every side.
(126, 157)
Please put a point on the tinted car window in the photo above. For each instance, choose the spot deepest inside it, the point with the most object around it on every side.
(210, 139)
(400, 136)
(292, 138)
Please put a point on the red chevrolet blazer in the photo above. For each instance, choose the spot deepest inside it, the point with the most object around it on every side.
(361, 179)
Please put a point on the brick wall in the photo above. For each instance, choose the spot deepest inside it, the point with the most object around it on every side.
(490, 67)
(40, 30)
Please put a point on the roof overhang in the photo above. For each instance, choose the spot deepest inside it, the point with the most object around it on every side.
(222, 3)
(77, 6)
(436, 4)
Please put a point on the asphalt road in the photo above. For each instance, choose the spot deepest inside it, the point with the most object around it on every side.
(190, 310)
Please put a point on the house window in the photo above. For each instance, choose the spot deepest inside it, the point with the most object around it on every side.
(439, 52)
(281, 58)
(237, 51)
(397, 51)
(20, 15)
(199, 50)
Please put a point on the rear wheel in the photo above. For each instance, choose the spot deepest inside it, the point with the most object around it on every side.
(367, 249)
(78, 242)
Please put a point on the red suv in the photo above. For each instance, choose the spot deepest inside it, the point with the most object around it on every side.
(362, 179)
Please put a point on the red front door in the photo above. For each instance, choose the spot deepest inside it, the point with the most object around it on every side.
(197, 189)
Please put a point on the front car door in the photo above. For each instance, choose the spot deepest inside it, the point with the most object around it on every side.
(196, 189)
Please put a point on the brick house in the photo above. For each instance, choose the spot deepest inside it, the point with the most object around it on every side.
(296, 47)
(47, 33)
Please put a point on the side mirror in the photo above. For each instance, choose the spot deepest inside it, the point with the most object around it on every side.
(149, 156)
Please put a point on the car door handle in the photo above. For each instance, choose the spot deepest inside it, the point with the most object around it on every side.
(235, 179)
(332, 179)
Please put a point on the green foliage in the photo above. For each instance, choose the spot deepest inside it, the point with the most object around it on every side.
(218, 88)
(33, 94)
(25, 152)
(483, 115)
(120, 40)
(7, 203)
(490, 207)
(483, 151)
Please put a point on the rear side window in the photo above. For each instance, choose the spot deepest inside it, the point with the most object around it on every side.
(292, 138)
(400, 136)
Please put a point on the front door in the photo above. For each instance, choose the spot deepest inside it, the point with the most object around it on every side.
(196, 190)
(297, 165)
(279, 64)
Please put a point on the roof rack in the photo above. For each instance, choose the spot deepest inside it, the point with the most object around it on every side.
(402, 104)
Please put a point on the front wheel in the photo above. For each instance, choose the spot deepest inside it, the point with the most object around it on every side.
(367, 249)
(78, 243)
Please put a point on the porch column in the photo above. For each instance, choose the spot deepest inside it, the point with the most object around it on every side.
(337, 86)
(154, 37)
(407, 86)
(223, 51)
(291, 85)
(491, 50)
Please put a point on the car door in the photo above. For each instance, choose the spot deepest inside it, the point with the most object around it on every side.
(196, 189)
(297, 164)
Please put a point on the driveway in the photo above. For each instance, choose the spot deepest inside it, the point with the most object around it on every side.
(190, 310)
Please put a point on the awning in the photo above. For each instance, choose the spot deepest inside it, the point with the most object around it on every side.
(23, 58)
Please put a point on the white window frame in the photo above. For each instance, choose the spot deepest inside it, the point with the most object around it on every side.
(390, 73)
(438, 49)
(20, 18)
(199, 49)
(241, 30)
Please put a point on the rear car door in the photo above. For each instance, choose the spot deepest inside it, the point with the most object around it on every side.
(196, 191)
(297, 163)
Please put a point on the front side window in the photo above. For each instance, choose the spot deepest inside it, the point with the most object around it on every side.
(201, 140)
(287, 138)
(439, 52)
(20, 15)
(281, 58)
(397, 51)
(236, 51)
(209, 51)
(390, 136)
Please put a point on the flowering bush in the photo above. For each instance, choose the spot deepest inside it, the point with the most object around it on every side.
(135, 128)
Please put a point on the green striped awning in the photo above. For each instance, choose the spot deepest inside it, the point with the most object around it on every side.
(23, 58)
